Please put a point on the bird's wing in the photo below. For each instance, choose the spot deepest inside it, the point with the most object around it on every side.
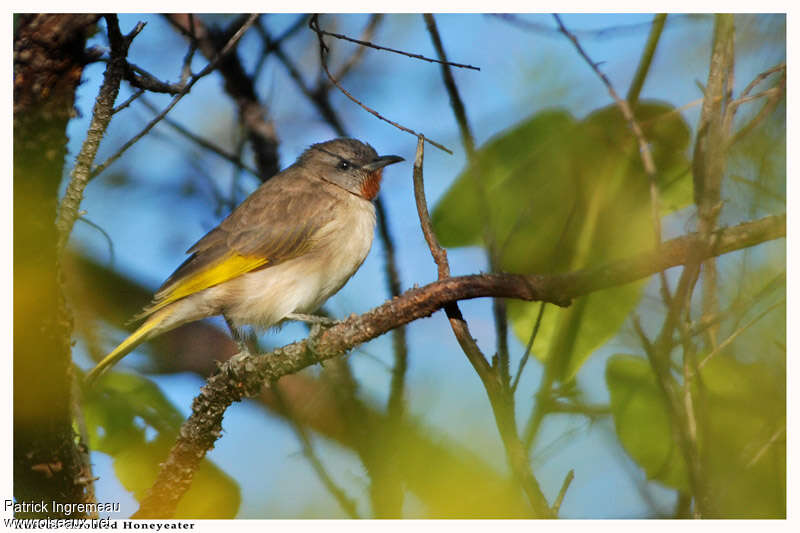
(276, 223)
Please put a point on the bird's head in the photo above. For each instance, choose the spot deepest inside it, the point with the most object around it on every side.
(350, 164)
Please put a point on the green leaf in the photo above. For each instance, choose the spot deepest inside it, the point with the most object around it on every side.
(642, 420)
(131, 420)
(740, 410)
(560, 194)
(743, 442)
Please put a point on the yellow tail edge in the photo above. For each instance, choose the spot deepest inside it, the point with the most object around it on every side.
(127, 346)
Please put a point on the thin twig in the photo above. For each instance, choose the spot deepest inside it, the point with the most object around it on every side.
(724, 344)
(781, 430)
(439, 254)
(358, 55)
(207, 70)
(323, 49)
(647, 58)
(141, 79)
(780, 67)
(528, 347)
(564, 486)
(401, 52)
(774, 94)
(127, 102)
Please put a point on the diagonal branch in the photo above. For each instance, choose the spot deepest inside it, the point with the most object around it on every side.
(401, 52)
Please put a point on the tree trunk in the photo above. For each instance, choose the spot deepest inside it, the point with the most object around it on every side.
(48, 63)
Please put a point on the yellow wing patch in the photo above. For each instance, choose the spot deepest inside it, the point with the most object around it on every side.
(227, 268)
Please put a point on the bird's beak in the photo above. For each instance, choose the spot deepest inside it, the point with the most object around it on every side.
(381, 162)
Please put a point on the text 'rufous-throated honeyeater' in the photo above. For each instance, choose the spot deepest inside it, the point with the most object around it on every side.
(286, 249)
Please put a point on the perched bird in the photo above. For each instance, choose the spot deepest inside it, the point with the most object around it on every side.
(293, 243)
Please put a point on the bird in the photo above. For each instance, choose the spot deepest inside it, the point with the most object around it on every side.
(280, 254)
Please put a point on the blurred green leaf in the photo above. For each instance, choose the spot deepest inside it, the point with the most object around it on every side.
(563, 194)
(743, 450)
(642, 420)
(131, 420)
(741, 416)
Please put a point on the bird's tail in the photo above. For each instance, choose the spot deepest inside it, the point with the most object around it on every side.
(143, 333)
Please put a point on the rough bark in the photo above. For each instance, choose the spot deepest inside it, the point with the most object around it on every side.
(48, 63)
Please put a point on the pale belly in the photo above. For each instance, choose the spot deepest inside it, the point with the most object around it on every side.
(300, 285)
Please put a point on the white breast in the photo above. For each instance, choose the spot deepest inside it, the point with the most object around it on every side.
(301, 285)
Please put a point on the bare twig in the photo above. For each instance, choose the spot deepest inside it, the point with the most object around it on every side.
(647, 58)
(323, 50)
(207, 70)
(358, 55)
(772, 440)
(525, 356)
(561, 493)
(774, 95)
(627, 112)
(401, 52)
(141, 79)
(127, 102)
(741, 329)
(781, 67)
(439, 254)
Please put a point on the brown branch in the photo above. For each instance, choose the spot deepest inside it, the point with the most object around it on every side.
(313, 23)
(439, 254)
(244, 377)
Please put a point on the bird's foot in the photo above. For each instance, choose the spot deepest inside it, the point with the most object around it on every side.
(317, 327)
(314, 320)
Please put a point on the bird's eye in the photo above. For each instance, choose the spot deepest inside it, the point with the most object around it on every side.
(343, 165)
